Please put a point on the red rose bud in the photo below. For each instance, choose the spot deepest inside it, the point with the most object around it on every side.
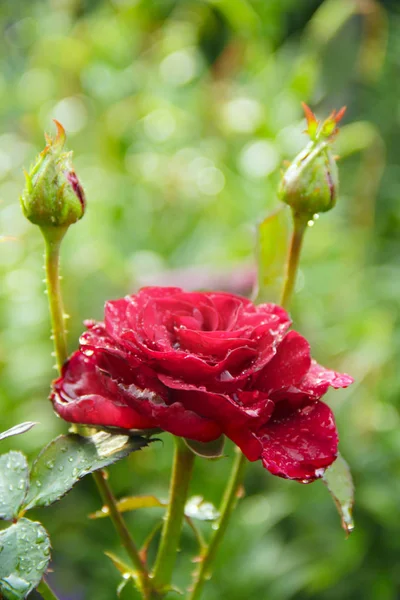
(53, 196)
(310, 184)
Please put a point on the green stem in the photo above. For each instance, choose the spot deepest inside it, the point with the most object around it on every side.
(124, 535)
(227, 506)
(53, 237)
(179, 487)
(45, 591)
(299, 228)
(231, 491)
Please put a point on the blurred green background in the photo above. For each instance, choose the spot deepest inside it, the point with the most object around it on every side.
(180, 115)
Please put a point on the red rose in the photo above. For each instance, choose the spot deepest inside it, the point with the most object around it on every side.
(200, 365)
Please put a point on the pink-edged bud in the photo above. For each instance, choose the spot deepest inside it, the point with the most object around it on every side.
(53, 196)
(310, 184)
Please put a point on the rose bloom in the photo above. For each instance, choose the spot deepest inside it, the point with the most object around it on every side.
(200, 365)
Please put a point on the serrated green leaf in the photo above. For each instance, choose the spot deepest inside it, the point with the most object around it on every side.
(197, 508)
(17, 430)
(272, 244)
(214, 449)
(68, 458)
(14, 480)
(339, 482)
(25, 555)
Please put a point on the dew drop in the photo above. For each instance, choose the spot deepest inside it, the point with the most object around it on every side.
(310, 223)
(63, 448)
(41, 565)
(61, 468)
(39, 483)
(11, 487)
(70, 459)
(40, 537)
(50, 464)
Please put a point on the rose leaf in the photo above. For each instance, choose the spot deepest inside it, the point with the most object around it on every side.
(339, 482)
(14, 481)
(70, 457)
(25, 554)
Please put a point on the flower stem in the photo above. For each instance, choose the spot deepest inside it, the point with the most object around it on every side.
(234, 482)
(125, 537)
(53, 237)
(45, 591)
(299, 228)
(227, 506)
(179, 487)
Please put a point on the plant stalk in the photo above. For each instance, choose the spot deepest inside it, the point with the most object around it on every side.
(45, 591)
(234, 482)
(296, 242)
(170, 536)
(53, 237)
(109, 500)
(227, 506)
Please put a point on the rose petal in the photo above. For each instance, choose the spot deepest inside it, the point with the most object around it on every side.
(288, 367)
(318, 379)
(87, 394)
(301, 443)
(83, 394)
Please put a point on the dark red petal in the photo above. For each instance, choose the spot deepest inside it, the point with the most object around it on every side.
(300, 444)
(314, 385)
(87, 394)
(212, 344)
(318, 379)
(288, 367)
(236, 420)
(83, 394)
